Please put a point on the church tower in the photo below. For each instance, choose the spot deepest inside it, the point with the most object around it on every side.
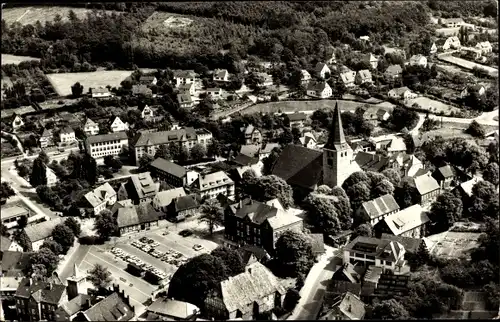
(75, 284)
(337, 154)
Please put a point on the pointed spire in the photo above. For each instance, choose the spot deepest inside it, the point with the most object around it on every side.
(76, 272)
(336, 136)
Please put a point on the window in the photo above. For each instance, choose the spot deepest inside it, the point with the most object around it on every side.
(388, 263)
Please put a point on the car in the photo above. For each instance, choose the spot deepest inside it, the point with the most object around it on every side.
(155, 244)
(150, 241)
(143, 240)
(178, 255)
(197, 247)
(185, 232)
(165, 233)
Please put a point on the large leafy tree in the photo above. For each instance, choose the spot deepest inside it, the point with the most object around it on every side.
(232, 259)
(74, 225)
(64, 236)
(389, 310)
(46, 258)
(212, 214)
(491, 173)
(53, 246)
(484, 202)
(100, 277)
(198, 152)
(294, 254)
(144, 162)
(38, 175)
(445, 211)
(269, 187)
(393, 176)
(163, 152)
(322, 214)
(406, 194)
(105, 225)
(6, 190)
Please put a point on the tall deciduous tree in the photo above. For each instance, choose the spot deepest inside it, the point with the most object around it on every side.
(54, 246)
(294, 254)
(105, 225)
(322, 214)
(491, 173)
(64, 236)
(77, 90)
(6, 190)
(45, 257)
(445, 211)
(100, 277)
(38, 175)
(74, 225)
(389, 310)
(232, 259)
(270, 187)
(198, 152)
(212, 214)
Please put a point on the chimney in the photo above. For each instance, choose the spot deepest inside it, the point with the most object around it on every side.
(349, 308)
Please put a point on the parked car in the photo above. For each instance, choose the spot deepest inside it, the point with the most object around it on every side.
(197, 247)
(185, 232)
(143, 240)
(155, 244)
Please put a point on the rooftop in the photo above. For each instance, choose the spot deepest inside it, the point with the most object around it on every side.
(137, 214)
(165, 137)
(169, 167)
(173, 308)
(42, 230)
(14, 211)
(112, 308)
(212, 180)
(380, 206)
(47, 292)
(164, 198)
(406, 219)
(100, 194)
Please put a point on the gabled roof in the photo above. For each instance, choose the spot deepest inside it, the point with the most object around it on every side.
(351, 306)
(143, 185)
(212, 180)
(446, 171)
(75, 305)
(46, 292)
(164, 137)
(100, 194)
(348, 77)
(394, 70)
(42, 230)
(67, 130)
(400, 91)
(381, 248)
(89, 122)
(185, 87)
(107, 137)
(249, 149)
(380, 206)
(14, 262)
(371, 162)
(169, 167)
(184, 74)
(112, 308)
(416, 58)
(249, 129)
(406, 219)
(268, 147)
(410, 244)
(317, 86)
(137, 214)
(100, 90)
(147, 78)
(184, 98)
(425, 184)
(259, 212)
(5, 243)
(220, 73)
(468, 185)
(365, 74)
(186, 202)
(381, 112)
(244, 160)
(319, 67)
(294, 117)
(164, 198)
(253, 285)
(173, 308)
(46, 133)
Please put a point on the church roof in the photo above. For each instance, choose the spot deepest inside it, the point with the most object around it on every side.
(336, 138)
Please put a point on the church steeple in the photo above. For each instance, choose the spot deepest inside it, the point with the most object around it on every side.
(336, 138)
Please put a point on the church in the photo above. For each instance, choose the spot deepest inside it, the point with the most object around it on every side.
(306, 169)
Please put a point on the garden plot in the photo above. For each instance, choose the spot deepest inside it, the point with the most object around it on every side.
(432, 105)
(62, 82)
(456, 245)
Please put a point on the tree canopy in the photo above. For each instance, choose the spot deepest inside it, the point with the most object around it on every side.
(294, 254)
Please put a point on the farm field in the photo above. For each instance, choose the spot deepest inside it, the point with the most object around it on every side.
(12, 59)
(62, 82)
(432, 105)
(306, 106)
(468, 64)
(30, 15)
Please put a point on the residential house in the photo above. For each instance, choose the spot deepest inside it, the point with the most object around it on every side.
(370, 59)
(51, 176)
(395, 145)
(348, 78)
(362, 146)
(267, 79)
(332, 60)
(433, 49)
(259, 223)
(297, 119)
(445, 176)
(364, 38)
(392, 72)
(319, 89)
(427, 187)
(12, 214)
(141, 89)
(322, 70)
(185, 100)
(100, 92)
(172, 310)
(367, 251)
(118, 125)
(215, 93)
(100, 198)
(266, 149)
(308, 140)
(7, 244)
(409, 222)
(15, 263)
(346, 307)
(384, 283)
(91, 127)
(401, 93)
(452, 22)
(137, 217)
(149, 142)
(99, 146)
(183, 207)
(17, 123)
(184, 77)
(172, 173)
(412, 166)
(373, 162)
(213, 184)
(418, 60)
(69, 310)
(164, 198)
(46, 139)
(38, 300)
(8, 289)
(36, 234)
(451, 43)
(485, 47)
(115, 307)
(410, 244)
(383, 115)
(377, 209)
(188, 88)
(147, 112)
(472, 53)
(148, 80)
(306, 77)
(363, 76)
(141, 188)
(252, 135)
(120, 204)
(221, 75)
(262, 293)
(67, 135)
(464, 190)
(479, 89)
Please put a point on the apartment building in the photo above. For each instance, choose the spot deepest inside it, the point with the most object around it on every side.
(148, 143)
(140, 188)
(99, 146)
(368, 251)
(213, 184)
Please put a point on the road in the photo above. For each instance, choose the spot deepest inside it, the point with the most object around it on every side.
(486, 118)
(314, 288)
(421, 119)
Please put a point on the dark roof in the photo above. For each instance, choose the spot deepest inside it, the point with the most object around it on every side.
(339, 287)
(106, 137)
(318, 86)
(112, 308)
(147, 78)
(257, 211)
(336, 138)
(184, 98)
(382, 248)
(297, 117)
(169, 167)
(346, 272)
(299, 166)
(447, 171)
(164, 137)
(5, 243)
(410, 244)
(14, 262)
(75, 305)
(380, 206)
(371, 162)
(137, 214)
(394, 70)
(186, 202)
(40, 291)
(243, 159)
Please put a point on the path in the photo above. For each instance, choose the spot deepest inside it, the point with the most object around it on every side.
(24, 14)
(486, 118)
(19, 145)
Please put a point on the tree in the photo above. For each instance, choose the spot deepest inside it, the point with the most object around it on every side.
(214, 148)
(484, 202)
(294, 254)
(3, 230)
(322, 214)
(174, 150)
(393, 176)
(358, 193)
(184, 154)
(354, 178)
(476, 130)
(212, 214)
(74, 225)
(105, 225)
(100, 277)
(232, 259)
(45, 257)
(44, 157)
(22, 222)
(406, 195)
(491, 173)
(384, 187)
(77, 90)
(270, 187)
(53, 246)
(38, 175)
(198, 152)
(64, 236)
(144, 162)
(389, 310)
(445, 211)
(286, 137)
(365, 230)
(6, 191)
(163, 152)
(292, 297)
(492, 291)
(270, 160)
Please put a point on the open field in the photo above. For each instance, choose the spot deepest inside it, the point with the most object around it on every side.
(307, 106)
(456, 245)
(432, 105)
(30, 15)
(447, 31)
(62, 82)
(468, 64)
(12, 59)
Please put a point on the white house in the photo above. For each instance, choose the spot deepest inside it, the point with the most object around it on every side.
(46, 138)
(479, 89)
(383, 115)
(402, 92)
(372, 60)
(365, 38)
(434, 48)
(187, 88)
(418, 60)
(221, 75)
(100, 92)
(184, 77)
(17, 122)
(147, 112)
(348, 78)
(453, 22)
(214, 92)
(67, 135)
(51, 176)
(320, 90)
(118, 125)
(363, 76)
(367, 251)
(306, 77)
(91, 127)
(485, 47)
(101, 197)
(308, 140)
(451, 42)
(322, 70)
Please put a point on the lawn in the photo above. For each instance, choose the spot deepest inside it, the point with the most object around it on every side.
(294, 106)
(432, 105)
(468, 64)
(30, 15)
(62, 82)
(12, 59)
